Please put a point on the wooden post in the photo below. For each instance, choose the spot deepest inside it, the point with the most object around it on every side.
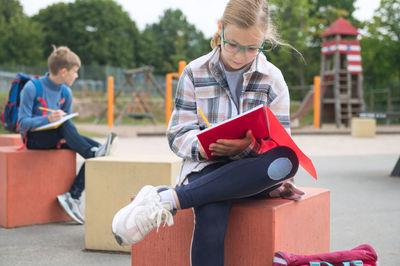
(371, 100)
(349, 114)
(110, 110)
(336, 90)
(322, 84)
(360, 90)
(317, 101)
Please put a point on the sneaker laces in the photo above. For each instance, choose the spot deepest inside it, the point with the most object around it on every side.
(156, 214)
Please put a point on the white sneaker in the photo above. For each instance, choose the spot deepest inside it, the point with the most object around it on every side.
(104, 149)
(146, 212)
(71, 207)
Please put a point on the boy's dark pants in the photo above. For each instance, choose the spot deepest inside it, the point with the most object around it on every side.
(50, 139)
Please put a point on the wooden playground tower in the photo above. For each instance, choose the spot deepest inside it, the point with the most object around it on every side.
(342, 95)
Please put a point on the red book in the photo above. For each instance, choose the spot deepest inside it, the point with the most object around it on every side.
(263, 124)
(235, 128)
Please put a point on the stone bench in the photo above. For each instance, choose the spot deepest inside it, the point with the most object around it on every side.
(10, 140)
(111, 182)
(30, 181)
(363, 127)
(256, 229)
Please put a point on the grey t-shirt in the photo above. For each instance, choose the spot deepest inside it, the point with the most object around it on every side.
(235, 82)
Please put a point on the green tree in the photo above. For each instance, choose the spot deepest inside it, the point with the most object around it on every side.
(293, 25)
(381, 48)
(98, 30)
(176, 39)
(21, 41)
(10, 9)
(300, 23)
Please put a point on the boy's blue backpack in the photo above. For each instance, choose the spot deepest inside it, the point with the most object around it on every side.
(10, 114)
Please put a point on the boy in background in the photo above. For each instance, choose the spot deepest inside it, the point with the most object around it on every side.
(56, 95)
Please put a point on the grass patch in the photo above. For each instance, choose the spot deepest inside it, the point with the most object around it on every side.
(90, 134)
(3, 131)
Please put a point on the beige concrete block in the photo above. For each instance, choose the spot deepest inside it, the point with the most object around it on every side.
(111, 182)
(363, 127)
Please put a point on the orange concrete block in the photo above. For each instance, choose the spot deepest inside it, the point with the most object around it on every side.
(10, 140)
(256, 229)
(30, 180)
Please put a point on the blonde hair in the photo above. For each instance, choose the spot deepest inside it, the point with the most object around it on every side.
(245, 14)
(62, 57)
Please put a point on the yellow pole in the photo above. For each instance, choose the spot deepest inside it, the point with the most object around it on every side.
(110, 110)
(317, 100)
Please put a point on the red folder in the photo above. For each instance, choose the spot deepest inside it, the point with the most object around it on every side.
(263, 124)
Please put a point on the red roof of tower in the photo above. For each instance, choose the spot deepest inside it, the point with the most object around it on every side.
(340, 26)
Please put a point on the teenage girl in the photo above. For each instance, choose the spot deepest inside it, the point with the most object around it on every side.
(233, 78)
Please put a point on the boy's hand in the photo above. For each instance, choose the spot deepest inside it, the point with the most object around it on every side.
(231, 147)
(56, 115)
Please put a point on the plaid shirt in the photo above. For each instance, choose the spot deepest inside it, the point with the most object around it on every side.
(203, 84)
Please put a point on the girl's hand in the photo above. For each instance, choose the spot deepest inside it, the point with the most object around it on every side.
(203, 154)
(287, 190)
(56, 115)
(231, 147)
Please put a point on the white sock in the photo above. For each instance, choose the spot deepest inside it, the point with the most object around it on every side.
(167, 195)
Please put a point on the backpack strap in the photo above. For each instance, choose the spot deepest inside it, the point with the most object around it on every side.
(39, 92)
(38, 98)
(64, 95)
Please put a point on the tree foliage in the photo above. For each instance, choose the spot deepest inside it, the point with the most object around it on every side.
(175, 39)
(98, 30)
(20, 39)
(300, 23)
(102, 33)
(381, 48)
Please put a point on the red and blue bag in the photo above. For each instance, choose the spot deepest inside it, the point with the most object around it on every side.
(363, 255)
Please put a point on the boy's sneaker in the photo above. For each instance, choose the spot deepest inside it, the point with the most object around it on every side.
(71, 207)
(146, 212)
(104, 149)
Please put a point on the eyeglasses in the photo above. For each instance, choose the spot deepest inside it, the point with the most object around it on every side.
(234, 48)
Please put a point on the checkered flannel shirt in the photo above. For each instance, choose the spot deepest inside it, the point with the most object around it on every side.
(203, 84)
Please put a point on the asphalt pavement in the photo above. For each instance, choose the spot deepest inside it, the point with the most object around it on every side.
(365, 202)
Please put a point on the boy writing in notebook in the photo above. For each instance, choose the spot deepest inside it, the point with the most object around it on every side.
(55, 101)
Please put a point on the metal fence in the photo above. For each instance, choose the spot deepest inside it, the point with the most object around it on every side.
(91, 78)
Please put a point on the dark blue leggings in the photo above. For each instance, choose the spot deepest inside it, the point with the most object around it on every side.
(211, 191)
(48, 139)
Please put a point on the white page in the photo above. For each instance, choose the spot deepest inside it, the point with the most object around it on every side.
(54, 124)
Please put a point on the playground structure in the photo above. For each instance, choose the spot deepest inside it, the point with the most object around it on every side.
(337, 97)
(340, 86)
(342, 95)
(138, 106)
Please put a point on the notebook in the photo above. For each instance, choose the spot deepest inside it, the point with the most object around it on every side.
(55, 124)
(264, 125)
(255, 119)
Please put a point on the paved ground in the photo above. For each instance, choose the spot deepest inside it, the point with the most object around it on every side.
(364, 202)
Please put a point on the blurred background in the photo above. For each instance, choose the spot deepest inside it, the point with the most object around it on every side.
(113, 37)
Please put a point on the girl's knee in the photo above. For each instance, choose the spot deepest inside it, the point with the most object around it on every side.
(282, 163)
